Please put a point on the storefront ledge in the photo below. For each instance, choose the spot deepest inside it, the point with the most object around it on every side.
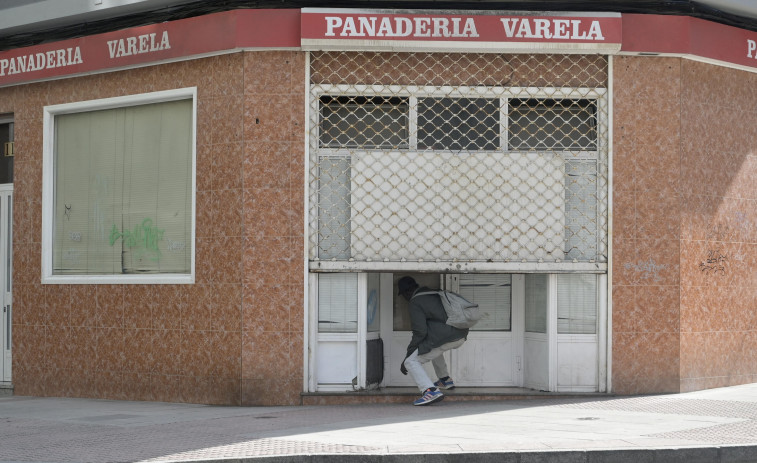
(403, 395)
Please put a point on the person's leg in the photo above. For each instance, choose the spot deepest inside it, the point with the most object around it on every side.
(414, 364)
(436, 356)
(440, 366)
(429, 393)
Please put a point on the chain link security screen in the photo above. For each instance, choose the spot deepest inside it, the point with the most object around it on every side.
(457, 157)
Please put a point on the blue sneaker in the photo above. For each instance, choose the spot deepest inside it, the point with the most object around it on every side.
(445, 383)
(429, 397)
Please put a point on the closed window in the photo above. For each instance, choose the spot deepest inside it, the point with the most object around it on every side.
(458, 123)
(337, 303)
(119, 189)
(493, 294)
(577, 304)
(552, 124)
(459, 173)
(536, 301)
(363, 122)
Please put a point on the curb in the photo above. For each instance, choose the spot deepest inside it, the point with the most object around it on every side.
(718, 454)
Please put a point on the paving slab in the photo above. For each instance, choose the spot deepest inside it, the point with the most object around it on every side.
(718, 425)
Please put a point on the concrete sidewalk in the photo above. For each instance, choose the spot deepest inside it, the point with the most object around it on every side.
(718, 425)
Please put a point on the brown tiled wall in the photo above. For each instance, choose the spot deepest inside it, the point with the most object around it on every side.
(234, 337)
(684, 193)
(646, 202)
(718, 226)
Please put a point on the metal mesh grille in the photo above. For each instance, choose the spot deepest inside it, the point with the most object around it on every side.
(432, 157)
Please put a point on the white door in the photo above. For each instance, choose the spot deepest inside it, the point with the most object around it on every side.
(492, 355)
(6, 224)
(395, 327)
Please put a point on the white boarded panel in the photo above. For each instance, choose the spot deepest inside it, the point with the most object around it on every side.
(431, 205)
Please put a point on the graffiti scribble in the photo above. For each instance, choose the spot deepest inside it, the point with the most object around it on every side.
(143, 238)
(714, 263)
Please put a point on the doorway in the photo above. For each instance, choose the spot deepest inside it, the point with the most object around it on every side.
(538, 331)
(493, 354)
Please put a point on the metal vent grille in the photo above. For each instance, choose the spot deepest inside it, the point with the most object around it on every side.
(434, 157)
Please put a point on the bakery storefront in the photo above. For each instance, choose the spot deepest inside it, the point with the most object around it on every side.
(485, 173)
(224, 220)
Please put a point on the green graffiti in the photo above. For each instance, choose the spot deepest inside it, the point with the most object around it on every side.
(143, 238)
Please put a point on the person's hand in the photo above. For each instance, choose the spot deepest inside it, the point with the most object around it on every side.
(403, 369)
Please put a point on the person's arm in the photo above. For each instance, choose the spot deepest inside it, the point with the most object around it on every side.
(418, 325)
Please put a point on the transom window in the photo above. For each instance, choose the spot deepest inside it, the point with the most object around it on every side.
(447, 123)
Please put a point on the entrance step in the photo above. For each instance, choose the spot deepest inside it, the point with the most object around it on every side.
(399, 395)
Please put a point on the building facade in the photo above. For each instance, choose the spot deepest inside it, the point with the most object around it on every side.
(216, 209)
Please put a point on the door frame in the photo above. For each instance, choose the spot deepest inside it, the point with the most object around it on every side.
(6, 281)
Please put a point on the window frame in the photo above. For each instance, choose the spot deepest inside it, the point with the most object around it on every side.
(48, 187)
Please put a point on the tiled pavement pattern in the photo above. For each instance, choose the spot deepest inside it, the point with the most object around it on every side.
(743, 431)
(709, 426)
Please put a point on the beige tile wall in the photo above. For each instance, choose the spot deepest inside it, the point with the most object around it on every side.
(234, 337)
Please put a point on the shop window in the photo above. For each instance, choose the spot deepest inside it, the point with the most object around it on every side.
(119, 190)
(536, 300)
(492, 293)
(552, 124)
(373, 312)
(576, 304)
(337, 303)
(458, 123)
(378, 122)
(406, 171)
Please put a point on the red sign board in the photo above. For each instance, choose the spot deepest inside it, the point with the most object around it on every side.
(343, 29)
(685, 36)
(364, 30)
(154, 43)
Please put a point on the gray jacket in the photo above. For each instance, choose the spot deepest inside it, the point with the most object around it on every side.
(427, 320)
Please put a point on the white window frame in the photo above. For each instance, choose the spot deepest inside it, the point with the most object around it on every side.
(48, 187)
